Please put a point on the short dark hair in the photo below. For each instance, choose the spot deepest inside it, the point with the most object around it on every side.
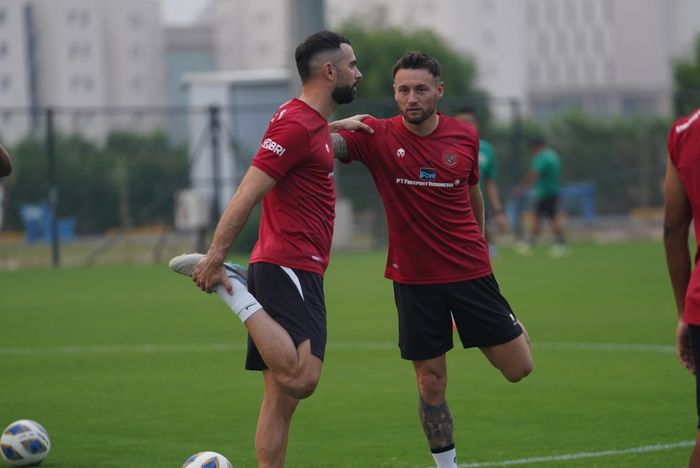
(316, 43)
(418, 61)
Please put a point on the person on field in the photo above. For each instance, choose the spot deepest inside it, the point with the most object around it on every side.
(545, 176)
(425, 166)
(682, 208)
(283, 307)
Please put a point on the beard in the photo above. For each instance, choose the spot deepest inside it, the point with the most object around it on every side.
(343, 94)
(418, 118)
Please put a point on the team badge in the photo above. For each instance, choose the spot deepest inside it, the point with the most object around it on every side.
(400, 152)
(450, 159)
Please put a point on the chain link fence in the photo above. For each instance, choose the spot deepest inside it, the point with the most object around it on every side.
(118, 185)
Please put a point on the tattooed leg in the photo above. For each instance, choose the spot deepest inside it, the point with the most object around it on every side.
(437, 424)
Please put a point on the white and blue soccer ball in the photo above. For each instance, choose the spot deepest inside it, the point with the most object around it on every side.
(24, 443)
(207, 460)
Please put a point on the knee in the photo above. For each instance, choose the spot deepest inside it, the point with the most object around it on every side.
(516, 374)
(432, 385)
(301, 388)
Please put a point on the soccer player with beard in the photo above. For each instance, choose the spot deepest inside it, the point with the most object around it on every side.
(283, 306)
(425, 166)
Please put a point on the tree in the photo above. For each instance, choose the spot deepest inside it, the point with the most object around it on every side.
(128, 181)
(686, 76)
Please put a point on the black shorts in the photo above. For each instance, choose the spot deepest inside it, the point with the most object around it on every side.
(482, 315)
(294, 299)
(694, 332)
(547, 207)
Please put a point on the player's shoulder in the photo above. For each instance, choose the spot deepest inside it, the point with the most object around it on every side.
(297, 114)
(690, 122)
(463, 128)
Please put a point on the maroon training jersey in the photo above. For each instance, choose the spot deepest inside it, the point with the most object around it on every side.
(296, 228)
(424, 183)
(684, 150)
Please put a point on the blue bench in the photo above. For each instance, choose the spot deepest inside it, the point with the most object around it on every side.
(37, 221)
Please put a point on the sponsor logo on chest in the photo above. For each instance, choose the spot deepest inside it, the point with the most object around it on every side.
(427, 173)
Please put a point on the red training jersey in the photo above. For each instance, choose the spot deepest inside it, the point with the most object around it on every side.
(296, 227)
(684, 151)
(424, 183)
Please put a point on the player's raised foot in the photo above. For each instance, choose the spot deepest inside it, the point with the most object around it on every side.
(241, 301)
(237, 272)
(185, 263)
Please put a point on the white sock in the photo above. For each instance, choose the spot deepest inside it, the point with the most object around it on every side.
(242, 303)
(446, 459)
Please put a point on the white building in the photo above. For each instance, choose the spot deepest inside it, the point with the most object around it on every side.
(81, 56)
(14, 71)
(608, 56)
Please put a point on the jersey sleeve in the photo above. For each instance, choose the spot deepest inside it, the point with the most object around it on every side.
(361, 145)
(284, 145)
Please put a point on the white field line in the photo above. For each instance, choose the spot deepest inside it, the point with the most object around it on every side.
(583, 455)
(334, 346)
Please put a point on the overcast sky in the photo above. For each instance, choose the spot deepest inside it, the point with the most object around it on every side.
(180, 11)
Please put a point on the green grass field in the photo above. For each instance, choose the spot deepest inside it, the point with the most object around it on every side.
(134, 367)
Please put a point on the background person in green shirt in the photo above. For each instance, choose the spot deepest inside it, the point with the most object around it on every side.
(488, 171)
(545, 175)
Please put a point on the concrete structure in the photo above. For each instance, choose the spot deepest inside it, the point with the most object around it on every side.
(82, 56)
(15, 94)
(188, 49)
(246, 100)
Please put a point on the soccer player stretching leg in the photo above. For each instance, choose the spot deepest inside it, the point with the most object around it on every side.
(292, 173)
(425, 166)
(682, 200)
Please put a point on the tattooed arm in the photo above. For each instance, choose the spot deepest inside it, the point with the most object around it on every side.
(354, 123)
(340, 147)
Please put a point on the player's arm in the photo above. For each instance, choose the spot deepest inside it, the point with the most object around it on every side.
(5, 162)
(677, 218)
(496, 205)
(252, 189)
(477, 202)
(354, 123)
(340, 147)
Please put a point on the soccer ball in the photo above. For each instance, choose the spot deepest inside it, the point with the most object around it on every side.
(207, 460)
(24, 442)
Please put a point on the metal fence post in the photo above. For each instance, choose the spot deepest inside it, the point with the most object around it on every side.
(53, 188)
(518, 158)
(214, 126)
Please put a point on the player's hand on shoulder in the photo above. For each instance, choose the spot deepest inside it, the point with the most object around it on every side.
(353, 123)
